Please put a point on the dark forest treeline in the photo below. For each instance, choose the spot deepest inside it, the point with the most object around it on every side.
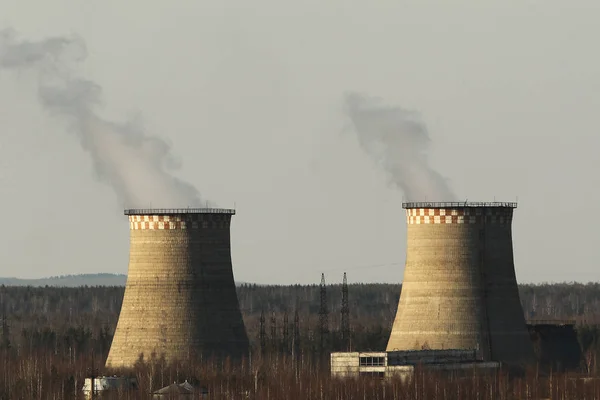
(50, 337)
(564, 300)
(83, 315)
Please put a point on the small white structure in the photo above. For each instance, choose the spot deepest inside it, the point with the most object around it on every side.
(366, 364)
(108, 383)
(403, 363)
(180, 391)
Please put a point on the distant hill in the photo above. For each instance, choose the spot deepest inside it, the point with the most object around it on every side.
(69, 280)
(73, 280)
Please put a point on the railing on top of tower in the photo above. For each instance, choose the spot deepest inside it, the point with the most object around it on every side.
(458, 204)
(175, 211)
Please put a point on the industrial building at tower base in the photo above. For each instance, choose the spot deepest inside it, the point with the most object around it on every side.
(403, 364)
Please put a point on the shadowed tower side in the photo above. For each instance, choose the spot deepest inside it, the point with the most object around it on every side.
(180, 299)
(459, 289)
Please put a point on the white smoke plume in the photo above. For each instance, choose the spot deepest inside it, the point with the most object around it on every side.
(398, 140)
(134, 164)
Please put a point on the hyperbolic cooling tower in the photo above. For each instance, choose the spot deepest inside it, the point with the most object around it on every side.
(459, 289)
(180, 300)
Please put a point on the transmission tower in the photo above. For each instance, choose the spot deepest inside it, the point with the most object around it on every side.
(345, 328)
(5, 342)
(273, 332)
(286, 333)
(323, 316)
(296, 344)
(261, 333)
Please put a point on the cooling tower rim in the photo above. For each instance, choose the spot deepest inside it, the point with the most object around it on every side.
(459, 204)
(178, 211)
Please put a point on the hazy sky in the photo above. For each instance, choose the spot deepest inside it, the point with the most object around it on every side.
(251, 98)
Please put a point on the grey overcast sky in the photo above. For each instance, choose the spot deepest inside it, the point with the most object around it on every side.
(250, 95)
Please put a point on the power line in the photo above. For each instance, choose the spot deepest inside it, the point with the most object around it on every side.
(364, 266)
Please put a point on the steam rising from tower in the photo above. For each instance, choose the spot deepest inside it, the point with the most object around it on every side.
(398, 140)
(134, 164)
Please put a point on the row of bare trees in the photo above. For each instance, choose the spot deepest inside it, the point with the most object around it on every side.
(51, 337)
(44, 375)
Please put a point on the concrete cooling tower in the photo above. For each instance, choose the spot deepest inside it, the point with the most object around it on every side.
(180, 299)
(459, 289)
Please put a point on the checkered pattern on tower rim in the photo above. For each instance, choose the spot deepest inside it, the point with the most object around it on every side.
(183, 221)
(494, 215)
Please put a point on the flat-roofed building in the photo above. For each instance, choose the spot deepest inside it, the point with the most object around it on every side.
(403, 363)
